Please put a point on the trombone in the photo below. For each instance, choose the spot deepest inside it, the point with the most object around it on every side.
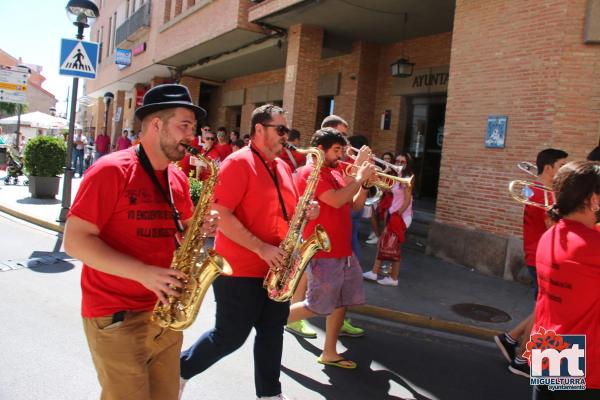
(522, 191)
(528, 167)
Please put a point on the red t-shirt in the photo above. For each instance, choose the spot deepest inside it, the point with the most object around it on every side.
(335, 221)
(184, 164)
(568, 270)
(534, 225)
(298, 157)
(133, 217)
(245, 187)
(123, 143)
(102, 143)
(224, 149)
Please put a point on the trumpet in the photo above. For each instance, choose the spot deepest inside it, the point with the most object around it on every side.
(522, 191)
(352, 152)
(383, 182)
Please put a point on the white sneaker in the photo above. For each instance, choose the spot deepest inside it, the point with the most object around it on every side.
(278, 397)
(372, 235)
(387, 281)
(370, 276)
(375, 240)
(182, 383)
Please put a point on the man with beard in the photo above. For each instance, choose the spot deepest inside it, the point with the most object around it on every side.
(129, 211)
(334, 278)
(256, 198)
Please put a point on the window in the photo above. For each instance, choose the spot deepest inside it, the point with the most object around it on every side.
(109, 37)
(114, 31)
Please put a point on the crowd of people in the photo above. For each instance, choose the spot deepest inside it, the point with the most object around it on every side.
(126, 241)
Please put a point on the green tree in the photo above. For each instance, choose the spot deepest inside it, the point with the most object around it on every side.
(11, 109)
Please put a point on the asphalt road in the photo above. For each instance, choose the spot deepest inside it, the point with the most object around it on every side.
(43, 353)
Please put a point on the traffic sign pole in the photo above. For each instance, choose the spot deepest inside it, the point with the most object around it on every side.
(68, 175)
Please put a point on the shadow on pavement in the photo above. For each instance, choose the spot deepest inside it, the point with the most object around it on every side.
(369, 383)
(50, 262)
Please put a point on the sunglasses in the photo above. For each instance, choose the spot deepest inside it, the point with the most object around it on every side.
(281, 129)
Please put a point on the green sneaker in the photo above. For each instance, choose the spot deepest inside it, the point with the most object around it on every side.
(349, 330)
(300, 328)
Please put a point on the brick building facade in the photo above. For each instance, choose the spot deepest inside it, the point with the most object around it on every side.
(535, 62)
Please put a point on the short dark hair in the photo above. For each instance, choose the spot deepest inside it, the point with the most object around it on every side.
(222, 129)
(246, 136)
(293, 135)
(573, 185)
(549, 157)
(594, 154)
(327, 137)
(239, 143)
(262, 115)
(332, 121)
(237, 134)
(358, 141)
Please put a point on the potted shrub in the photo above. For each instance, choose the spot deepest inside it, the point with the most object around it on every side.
(44, 160)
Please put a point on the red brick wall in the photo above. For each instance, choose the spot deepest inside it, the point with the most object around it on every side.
(302, 76)
(537, 72)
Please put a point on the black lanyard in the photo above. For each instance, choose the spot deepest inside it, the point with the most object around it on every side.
(273, 176)
(139, 150)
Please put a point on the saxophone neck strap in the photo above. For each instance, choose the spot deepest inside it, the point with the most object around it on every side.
(167, 194)
(273, 175)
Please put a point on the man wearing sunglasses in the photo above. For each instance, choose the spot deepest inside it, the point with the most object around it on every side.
(257, 196)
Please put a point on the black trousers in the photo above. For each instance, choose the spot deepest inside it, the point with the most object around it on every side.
(242, 304)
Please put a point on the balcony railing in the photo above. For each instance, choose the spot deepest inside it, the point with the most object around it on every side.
(137, 24)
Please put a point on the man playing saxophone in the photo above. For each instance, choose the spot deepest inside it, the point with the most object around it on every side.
(256, 198)
(334, 278)
(129, 210)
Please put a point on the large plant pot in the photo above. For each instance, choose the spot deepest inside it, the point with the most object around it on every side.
(43, 187)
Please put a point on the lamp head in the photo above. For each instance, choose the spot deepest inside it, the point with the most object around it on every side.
(82, 12)
(108, 97)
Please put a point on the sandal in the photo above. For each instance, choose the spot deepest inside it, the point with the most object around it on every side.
(339, 363)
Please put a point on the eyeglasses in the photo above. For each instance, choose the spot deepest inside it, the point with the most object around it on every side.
(281, 129)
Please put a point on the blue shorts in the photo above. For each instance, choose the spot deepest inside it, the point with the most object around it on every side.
(334, 283)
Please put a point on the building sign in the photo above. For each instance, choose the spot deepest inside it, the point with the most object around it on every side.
(495, 135)
(139, 49)
(422, 81)
(123, 57)
(139, 96)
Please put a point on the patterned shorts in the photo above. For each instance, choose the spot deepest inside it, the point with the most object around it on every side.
(334, 283)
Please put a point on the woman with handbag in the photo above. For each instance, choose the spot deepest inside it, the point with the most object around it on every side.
(399, 218)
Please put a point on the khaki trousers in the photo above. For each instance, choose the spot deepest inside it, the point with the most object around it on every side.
(135, 359)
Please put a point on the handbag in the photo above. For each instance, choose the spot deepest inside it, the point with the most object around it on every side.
(390, 242)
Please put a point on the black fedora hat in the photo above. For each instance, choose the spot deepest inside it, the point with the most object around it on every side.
(166, 96)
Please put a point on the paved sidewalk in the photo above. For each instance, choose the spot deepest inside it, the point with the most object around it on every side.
(427, 290)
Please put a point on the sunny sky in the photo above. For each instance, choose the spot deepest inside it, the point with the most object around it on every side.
(32, 29)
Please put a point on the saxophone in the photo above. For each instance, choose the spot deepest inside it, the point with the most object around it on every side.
(201, 266)
(281, 282)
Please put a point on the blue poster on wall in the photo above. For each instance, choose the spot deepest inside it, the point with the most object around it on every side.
(495, 136)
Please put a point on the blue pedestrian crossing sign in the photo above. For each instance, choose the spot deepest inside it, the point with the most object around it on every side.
(78, 58)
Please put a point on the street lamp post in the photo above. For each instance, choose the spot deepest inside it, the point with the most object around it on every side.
(82, 13)
(108, 98)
